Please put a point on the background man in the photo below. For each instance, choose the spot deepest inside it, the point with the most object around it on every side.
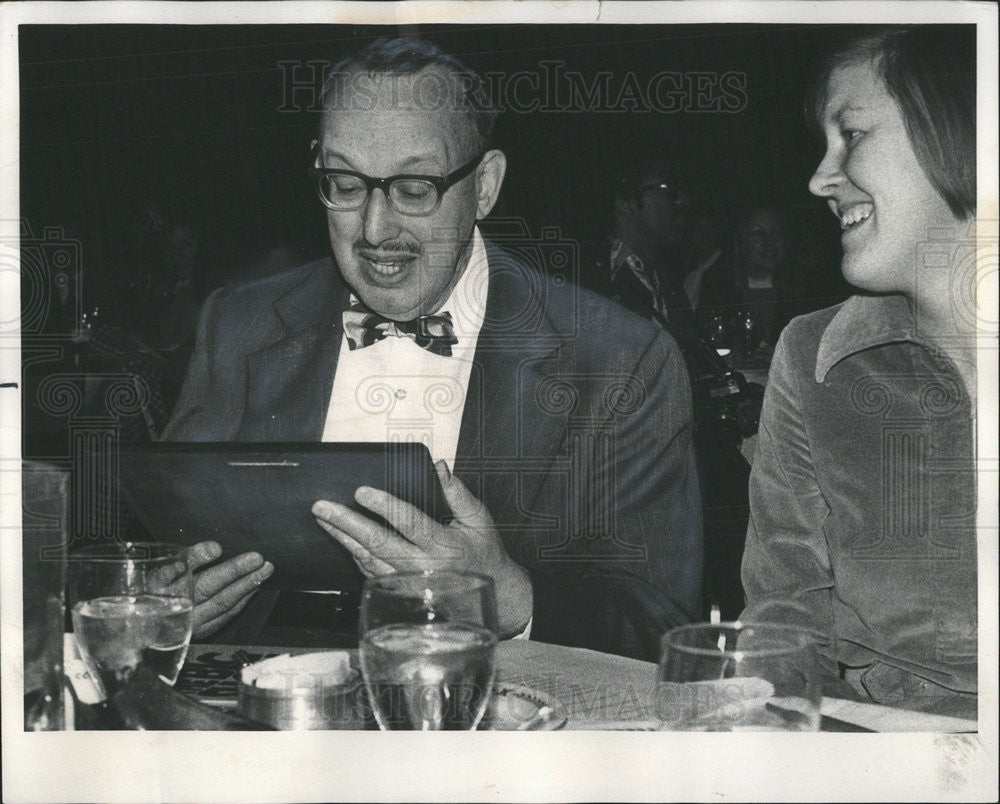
(563, 443)
(644, 263)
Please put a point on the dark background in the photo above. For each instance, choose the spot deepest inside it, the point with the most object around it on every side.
(190, 119)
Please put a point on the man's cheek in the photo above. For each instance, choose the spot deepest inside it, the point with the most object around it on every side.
(342, 230)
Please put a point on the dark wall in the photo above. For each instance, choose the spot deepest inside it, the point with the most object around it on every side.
(199, 120)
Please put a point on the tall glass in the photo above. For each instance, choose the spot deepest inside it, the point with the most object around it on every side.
(45, 513)
(131, 604)
(428, 647)
(717, 332)
(738, 677)
(749, 334)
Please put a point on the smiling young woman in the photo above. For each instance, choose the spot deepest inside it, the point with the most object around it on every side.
(863, 487)
(897, 111)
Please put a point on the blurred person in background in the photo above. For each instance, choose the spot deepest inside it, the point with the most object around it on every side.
(703, 251)
(642, 260)
(646, 260)
(170, 288)
(762, 279)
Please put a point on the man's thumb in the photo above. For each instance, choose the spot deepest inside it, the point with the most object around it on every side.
(464, 506)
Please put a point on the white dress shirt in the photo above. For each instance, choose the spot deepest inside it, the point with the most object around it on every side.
(394, 390)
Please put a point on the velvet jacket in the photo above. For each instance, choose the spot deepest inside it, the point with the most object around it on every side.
(863, 506)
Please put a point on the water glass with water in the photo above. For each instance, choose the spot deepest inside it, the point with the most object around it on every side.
(131, 604)
(738, 677)
(428, 647)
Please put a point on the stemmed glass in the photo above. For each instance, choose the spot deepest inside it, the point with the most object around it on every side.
(749, 334)
(738, 677)
(131, 604)
(717, 332)
(428, 645)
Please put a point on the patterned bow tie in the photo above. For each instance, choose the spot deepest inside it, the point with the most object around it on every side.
(435, 333)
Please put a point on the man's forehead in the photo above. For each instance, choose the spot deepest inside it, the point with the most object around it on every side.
(432, 90)
(411, 106)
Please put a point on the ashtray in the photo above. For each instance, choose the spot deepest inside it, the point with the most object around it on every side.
(516, 708)
(309, 691)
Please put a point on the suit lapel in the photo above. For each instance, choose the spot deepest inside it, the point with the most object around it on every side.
(291, 379)
(503, 430)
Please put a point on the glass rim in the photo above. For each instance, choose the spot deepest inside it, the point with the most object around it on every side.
(805, 637)
(383, 582)
(106, 553)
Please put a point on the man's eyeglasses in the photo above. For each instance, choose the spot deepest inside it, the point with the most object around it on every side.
(678, 196)
(408, 193)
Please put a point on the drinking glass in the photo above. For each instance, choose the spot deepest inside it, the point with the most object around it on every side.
(749, 334)
(738, 677)
(131, 604)
(717, 332)
(45, 510)
(428, 646)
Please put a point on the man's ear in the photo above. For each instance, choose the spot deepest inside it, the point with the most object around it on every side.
(489, 179)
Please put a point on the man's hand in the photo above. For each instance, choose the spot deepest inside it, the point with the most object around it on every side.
(221, 592)
(416, 542)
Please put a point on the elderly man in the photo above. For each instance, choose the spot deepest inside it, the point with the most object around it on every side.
(560, 423)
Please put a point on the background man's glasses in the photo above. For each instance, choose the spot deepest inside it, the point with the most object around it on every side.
(408, 193)
(678, 196)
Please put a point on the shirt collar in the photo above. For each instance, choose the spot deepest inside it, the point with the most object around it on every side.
(467, 302)
(621, 255)
(861, 323)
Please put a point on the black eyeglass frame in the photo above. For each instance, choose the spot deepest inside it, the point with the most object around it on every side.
(441, 184)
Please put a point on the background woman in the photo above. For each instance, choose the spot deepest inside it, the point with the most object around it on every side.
(763, 279)
(863, 489)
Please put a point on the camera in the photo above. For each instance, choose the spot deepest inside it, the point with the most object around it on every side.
(51, 281)
(549, 263)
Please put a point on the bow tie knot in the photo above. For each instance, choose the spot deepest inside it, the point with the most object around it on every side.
(435, 333)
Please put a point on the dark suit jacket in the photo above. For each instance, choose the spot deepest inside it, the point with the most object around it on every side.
(576, 433)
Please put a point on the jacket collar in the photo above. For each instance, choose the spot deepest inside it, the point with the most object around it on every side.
(515, 305)
(622, 255)
(517, 309)
(863, 322)
(518, 330)
(290, 376)
(518, 347)
(315, 301)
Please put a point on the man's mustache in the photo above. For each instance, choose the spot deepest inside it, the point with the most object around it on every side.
(388, 248)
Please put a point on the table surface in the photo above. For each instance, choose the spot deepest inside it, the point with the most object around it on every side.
(598, 691)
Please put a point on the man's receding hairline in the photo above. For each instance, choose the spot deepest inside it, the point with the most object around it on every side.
(467, 131)
(454, 81)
